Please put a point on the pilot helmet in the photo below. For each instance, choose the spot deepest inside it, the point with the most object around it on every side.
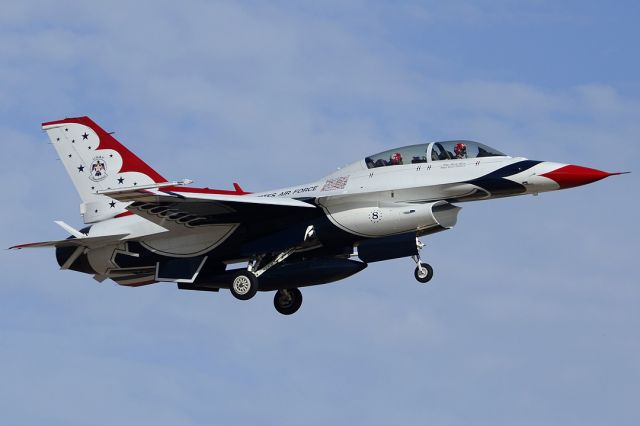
(460, 150)
(396, 158)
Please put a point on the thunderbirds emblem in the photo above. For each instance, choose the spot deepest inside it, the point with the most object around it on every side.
(98, 169)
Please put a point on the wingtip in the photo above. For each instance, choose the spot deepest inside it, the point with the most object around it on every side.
(21, 246)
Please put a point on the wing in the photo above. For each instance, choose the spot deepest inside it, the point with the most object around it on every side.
(185, 211)
(175, 208)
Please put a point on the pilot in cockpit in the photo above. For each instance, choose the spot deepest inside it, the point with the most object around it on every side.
(460, 150)
(396, 159)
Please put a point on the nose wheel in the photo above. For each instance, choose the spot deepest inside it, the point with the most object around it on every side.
(423, 272)
(287, 301)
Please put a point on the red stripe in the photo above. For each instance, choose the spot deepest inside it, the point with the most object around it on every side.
(237, 191)
(123, 214)
(66, 120)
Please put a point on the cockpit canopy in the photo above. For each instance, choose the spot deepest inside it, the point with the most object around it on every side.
(436, 151)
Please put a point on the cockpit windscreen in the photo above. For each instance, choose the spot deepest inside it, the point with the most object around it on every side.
(448, 150)
(457, 150)
(396, 157)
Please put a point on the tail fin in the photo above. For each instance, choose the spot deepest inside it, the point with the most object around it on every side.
(96, 161)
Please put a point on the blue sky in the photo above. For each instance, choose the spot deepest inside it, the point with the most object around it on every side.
(532, 317)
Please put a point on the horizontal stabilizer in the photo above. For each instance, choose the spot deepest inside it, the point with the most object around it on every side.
(89, 242)
(70, 229)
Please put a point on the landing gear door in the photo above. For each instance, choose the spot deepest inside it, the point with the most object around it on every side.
(180, 270)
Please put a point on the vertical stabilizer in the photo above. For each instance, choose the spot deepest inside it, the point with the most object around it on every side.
(96, 161)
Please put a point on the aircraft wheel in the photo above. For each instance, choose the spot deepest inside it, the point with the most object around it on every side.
(423, 273)
(287, 301)
(244, 285)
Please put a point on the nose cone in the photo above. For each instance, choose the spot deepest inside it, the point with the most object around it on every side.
(569, 176)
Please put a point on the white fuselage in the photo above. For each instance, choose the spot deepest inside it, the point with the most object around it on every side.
(365, 202)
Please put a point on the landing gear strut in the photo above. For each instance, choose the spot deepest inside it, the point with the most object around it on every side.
(424, 271)
(287, 300)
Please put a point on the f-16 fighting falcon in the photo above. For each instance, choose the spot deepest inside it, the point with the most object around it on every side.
(144, 229)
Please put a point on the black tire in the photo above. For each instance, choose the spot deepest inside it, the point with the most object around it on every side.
(420, 276)
(287, 301)
(244, 285)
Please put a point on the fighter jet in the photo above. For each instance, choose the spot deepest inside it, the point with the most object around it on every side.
(144, 229)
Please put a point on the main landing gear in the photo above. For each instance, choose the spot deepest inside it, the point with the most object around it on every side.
(245, 284)
(287, 301)
(423, 271)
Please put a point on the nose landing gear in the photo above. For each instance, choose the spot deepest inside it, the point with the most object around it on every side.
(423, 271)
